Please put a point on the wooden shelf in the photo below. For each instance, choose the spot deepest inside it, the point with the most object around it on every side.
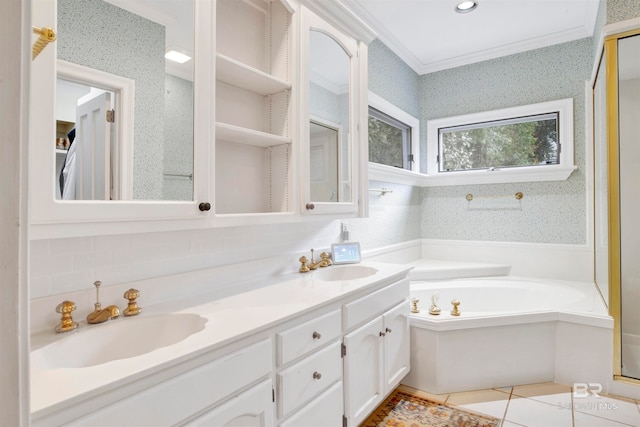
(243, 76)
(247, 136)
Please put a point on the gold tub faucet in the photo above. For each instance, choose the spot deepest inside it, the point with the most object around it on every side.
(99, 314)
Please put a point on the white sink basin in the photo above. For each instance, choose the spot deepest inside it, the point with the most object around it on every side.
(116, 339)
(347, 272)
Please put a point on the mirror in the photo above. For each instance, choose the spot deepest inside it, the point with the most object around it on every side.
(111, 56)
(629, 207)
(329, 110)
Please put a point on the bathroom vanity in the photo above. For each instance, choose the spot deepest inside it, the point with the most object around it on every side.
(313, 349)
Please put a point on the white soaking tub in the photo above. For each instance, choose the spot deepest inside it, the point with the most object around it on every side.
(511, 331)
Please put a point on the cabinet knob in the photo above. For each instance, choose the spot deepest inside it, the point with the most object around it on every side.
(382, 334)
(204, 206)
(316, 375)
(310, 206)
(316, 335)
(388, 330)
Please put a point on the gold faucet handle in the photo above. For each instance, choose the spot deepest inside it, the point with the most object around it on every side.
(66, 321)
(456, 310)
(326, 258)
(303, 266)
(132, 307)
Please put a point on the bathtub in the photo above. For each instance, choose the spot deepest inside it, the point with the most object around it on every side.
(511, 331)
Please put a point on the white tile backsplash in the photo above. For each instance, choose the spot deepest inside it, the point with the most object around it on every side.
(66, 265)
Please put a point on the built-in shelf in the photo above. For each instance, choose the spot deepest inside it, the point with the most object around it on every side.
(247, 136)
(60, 152)
(241, 75)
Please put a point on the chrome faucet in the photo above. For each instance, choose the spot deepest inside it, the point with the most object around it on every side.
(99, 314)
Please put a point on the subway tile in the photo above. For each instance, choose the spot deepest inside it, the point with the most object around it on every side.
(69, 282)
(71, 245)
(92, 260)
(39, 286)
(39, 248)
(113, 242)
(52, 264)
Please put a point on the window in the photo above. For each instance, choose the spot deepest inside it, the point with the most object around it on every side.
(394, 137)
(523, 141)
(529, 143)
(389, 140)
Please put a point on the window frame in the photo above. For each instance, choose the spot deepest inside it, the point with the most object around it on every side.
(382, 172)
(556, 172)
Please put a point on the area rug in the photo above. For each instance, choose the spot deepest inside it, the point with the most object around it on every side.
(402, 409)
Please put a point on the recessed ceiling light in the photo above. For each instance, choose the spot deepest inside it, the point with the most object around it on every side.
(178, 57)
(466, 6)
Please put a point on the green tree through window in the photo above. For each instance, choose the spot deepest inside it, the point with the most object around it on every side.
(527, 141)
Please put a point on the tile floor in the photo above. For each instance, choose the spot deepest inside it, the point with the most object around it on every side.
(545, 405)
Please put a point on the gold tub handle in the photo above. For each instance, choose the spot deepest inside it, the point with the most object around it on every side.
(46, 36)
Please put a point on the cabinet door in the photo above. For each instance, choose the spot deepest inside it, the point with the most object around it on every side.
(396, 344)
(253, 408)
(332, 75)
(153, 172)
(363, 370)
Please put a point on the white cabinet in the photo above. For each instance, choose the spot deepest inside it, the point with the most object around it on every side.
(333, 114)
(376, 353)
(253, 408)
(144, 174)
(169, 401)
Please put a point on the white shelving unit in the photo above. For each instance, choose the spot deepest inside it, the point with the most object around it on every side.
(253, 117)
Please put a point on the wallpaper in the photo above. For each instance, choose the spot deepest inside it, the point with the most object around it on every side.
(550, 212)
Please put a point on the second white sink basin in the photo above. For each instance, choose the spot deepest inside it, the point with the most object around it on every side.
(117, 339)
(347, 272)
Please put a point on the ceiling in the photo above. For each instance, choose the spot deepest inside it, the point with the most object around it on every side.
(430, 36)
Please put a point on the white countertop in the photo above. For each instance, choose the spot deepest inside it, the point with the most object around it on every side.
(228, 319)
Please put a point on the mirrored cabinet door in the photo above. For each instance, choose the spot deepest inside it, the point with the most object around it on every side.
(120, 109)
(332, 74)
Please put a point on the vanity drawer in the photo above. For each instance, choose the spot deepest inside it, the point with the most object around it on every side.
(309, 377)
(369, 306)
(308, 336)
(323, 411)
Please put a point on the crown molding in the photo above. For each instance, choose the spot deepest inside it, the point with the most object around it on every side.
(336, 13)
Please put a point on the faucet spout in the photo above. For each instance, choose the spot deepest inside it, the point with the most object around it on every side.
(100, 315)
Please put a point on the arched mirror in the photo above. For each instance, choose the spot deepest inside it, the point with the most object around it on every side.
(333, 102)
(329, 110)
